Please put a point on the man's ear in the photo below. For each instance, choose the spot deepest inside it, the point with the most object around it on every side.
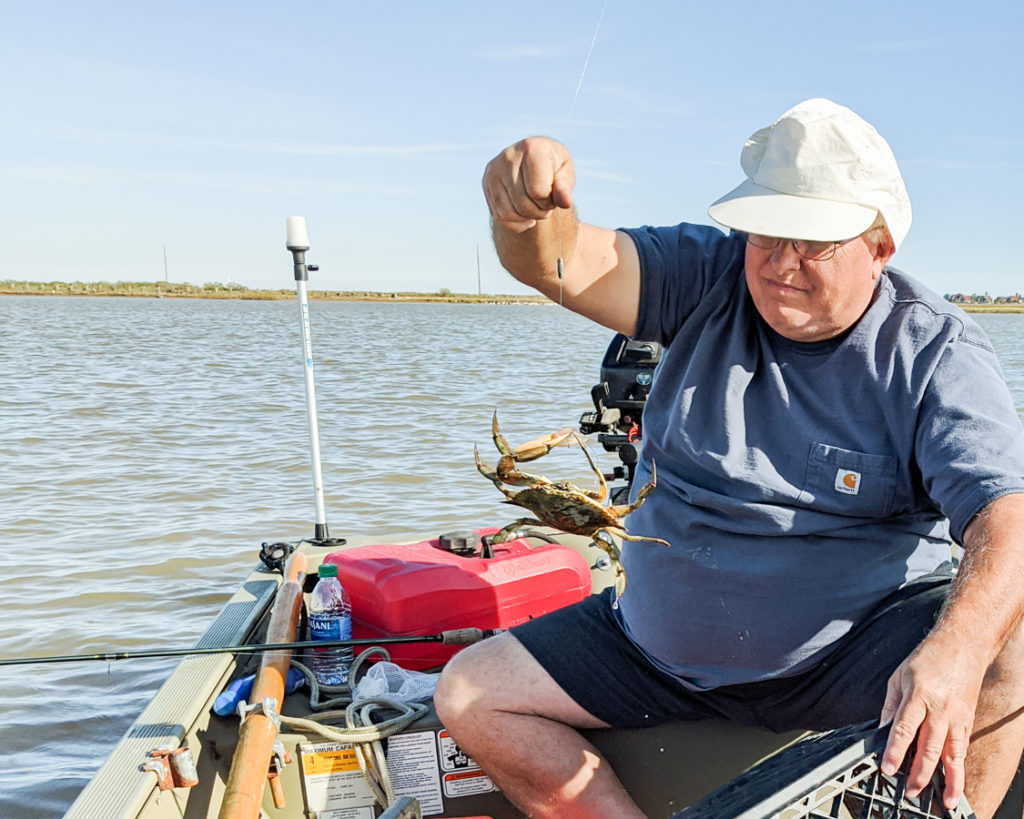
(884, 249)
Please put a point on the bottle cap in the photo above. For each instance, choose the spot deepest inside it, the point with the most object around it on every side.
(327, 570)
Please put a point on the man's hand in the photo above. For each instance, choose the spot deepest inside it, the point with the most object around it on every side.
(527, 181)
(933, 695)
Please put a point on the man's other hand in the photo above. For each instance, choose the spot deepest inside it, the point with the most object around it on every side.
(932, 696)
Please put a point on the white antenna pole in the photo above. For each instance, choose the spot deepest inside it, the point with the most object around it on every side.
(298, 243)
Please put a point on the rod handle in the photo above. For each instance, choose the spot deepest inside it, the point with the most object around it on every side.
(462, 636)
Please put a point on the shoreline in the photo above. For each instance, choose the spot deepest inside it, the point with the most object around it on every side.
(160, 290)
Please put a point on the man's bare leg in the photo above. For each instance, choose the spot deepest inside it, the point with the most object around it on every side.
(506, 712)
(998, 737)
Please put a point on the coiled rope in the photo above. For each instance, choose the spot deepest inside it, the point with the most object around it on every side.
(360, 731)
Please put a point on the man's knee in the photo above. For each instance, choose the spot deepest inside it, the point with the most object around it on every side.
(473, 679)
(456, 687)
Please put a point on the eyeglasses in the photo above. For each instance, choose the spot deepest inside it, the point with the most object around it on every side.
(812, 251)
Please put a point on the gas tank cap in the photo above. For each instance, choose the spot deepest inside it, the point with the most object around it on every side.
(461, 542)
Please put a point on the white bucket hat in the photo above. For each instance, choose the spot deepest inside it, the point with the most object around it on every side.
(819, 172)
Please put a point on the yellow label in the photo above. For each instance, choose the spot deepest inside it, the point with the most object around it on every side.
(328, 762)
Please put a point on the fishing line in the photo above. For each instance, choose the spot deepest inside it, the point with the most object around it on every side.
(560, 263)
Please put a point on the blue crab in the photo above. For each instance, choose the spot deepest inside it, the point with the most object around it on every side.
(560, 504)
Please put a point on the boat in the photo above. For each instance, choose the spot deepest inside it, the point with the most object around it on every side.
(184, 756)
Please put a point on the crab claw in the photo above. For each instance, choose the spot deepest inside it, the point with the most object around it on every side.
(532, 450)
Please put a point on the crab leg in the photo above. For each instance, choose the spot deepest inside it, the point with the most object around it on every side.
(506, 532)
(624, 509)
(602, 487)
(493, 477)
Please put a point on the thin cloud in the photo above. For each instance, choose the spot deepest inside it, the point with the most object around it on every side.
(390, 151)
(81, 175)
(521, 52)
(956, 164)
(592, 171)
(168, 140)
(643, 100)
(898, 46)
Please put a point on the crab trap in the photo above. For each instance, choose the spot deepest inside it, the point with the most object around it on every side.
(836, 775)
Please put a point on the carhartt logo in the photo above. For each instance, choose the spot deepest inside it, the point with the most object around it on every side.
(847, 481)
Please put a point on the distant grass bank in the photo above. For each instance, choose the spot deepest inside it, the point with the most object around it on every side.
(173, 290)
(992, 308)
(215, 290)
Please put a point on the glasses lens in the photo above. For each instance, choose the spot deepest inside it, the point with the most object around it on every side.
(816, 251)
(763, 242)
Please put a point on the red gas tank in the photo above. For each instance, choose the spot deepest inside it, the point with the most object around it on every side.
(422, 588)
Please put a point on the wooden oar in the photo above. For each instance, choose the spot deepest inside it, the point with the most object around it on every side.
(244, 796)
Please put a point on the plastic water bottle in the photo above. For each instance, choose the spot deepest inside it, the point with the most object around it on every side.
(330, 618)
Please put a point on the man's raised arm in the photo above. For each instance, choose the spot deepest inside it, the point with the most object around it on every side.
(529, 187)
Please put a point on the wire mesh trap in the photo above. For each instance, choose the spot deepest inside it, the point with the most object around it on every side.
(833, 775)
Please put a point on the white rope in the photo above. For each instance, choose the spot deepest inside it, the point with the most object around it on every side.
(360, 731)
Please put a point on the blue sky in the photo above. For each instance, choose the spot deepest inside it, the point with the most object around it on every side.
(128, 127)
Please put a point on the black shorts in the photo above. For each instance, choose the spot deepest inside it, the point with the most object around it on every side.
(586, 652)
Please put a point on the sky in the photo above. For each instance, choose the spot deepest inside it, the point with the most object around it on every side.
(199, 127)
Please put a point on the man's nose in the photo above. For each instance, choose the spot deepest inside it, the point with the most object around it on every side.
(784, 256)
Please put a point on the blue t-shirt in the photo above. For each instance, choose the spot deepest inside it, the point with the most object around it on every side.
(799, 483)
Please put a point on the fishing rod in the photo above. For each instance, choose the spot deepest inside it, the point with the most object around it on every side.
(297, 241)
(452, 637)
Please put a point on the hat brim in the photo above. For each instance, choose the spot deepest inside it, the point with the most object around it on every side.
(751, 208)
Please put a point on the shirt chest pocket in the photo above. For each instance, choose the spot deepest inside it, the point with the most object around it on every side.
(846, 482)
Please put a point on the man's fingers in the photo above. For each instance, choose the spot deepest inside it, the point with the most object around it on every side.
(904, 728)
(893, 697)
(547, 175)
(953, 766)
(955, 780)
(931, 740)
(565, 182)
(504, 211)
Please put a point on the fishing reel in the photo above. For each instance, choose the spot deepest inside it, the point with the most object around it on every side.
(627, 372)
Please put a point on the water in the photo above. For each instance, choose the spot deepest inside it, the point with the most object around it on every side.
(150, 446)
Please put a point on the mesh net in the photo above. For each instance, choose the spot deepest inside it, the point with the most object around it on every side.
(388, 680)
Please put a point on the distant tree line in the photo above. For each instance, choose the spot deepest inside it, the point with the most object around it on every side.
(984, 298)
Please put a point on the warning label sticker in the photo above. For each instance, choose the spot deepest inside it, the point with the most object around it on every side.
(412, 760)
(466, 778)
(467, 783)
(334, 785)
(453, 758)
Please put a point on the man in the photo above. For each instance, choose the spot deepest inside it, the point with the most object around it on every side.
(824, 429)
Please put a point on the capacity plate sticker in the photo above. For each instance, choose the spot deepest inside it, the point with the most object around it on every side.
(334, 785)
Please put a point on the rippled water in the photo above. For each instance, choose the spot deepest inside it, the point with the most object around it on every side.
(149, 447)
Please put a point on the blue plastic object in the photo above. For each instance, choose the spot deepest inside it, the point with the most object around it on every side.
(241, 688)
